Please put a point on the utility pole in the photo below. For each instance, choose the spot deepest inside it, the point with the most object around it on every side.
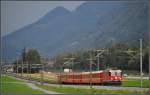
(60, 75)
(98, 63)
(90, 69)
(141, 64)
(17, 67)
(149, 52)
(91, 73)
(1, 69)
(55, 68)
(28, 70)
(42, 72)
(42, 75)
(72, 62)
(98, 56)
(22, 69)
(149, 72)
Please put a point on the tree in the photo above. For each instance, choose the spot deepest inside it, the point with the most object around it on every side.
(29, 59)
(33, 57)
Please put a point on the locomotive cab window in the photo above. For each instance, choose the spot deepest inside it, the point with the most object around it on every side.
(119, 74)
(113, 73)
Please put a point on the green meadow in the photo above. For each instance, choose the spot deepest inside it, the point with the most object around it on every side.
(12, 86)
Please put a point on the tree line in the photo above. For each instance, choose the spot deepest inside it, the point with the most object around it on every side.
(119, 56)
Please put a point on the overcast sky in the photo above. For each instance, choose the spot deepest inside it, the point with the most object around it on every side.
(16, 14)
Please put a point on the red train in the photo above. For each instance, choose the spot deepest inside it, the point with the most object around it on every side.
(94, 77)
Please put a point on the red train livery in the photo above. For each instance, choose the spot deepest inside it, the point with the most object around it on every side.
(94, 77)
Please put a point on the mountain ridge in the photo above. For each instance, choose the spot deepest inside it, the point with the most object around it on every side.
(99, 26)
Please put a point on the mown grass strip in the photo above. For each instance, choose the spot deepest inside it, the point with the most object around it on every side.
(6, 78)
(71, 90)
(135, 83)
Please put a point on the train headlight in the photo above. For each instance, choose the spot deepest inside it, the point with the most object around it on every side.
(115, 77)
(119, 78)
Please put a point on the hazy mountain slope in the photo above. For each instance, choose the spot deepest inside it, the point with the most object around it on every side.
(91, 25)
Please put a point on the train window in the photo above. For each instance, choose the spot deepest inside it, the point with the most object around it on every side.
(76, 76)
(94, 75)
(86, 76)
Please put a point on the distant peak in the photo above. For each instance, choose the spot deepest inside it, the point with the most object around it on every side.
(60, 8)
(58, 11)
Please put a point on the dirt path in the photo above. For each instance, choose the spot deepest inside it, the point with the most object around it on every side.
(33, 86)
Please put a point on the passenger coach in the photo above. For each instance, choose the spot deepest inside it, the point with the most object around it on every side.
(95, 77)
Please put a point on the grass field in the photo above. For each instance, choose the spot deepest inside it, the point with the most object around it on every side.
(13, 86)
(71, 90)
(135, 83)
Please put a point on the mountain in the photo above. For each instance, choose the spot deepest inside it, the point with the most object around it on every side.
(92, 25)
